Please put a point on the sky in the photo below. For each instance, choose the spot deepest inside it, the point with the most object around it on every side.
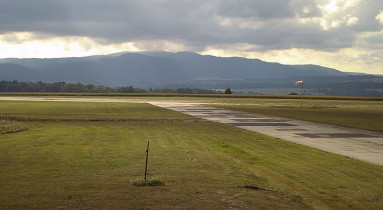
(343, 34)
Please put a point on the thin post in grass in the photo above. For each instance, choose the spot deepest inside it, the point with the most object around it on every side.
(301, 82)
(302, 93)
(146, 163)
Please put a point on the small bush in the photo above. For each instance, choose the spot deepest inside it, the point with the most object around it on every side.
(228, 91)
(148, 182)
(10, 126)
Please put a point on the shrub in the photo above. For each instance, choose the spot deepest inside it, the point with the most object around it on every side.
(10, 126)
(228, 91)
(149, 182)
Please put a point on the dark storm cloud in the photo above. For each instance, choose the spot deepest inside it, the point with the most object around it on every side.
(197, 23)
(260, 9)
(112, 20)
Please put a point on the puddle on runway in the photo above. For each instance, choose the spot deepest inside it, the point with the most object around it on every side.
(261, 124)
(335, 135)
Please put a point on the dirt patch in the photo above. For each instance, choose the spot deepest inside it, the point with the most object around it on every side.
(252, 187)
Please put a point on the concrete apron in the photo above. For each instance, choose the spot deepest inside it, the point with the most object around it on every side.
(358, 144)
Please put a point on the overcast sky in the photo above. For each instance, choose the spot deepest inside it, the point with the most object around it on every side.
(342, 34)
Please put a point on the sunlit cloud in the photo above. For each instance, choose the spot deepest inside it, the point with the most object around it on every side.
(352, 21)
(30, 45)
(331, 7)
(335, 13)
(379, 17)
(334, 6)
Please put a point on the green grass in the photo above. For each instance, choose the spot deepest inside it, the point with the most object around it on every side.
(84, 111)
(205, 165)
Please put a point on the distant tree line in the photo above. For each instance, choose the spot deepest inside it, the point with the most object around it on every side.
(63, 87)
(183, 90)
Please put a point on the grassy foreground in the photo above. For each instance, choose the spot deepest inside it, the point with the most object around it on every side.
(76, 155)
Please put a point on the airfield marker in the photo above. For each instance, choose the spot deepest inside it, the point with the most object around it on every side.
(301, 82)
(146, 163)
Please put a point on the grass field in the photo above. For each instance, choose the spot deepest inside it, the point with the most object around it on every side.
(86, 155)
(84, 111)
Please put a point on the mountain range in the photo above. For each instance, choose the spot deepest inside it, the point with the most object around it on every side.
(186, 69)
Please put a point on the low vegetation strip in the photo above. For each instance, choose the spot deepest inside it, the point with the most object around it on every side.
(194, 96)
(83, 111)
(11, 126)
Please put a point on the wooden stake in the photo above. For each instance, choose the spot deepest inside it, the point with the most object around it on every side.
(302, 95)
(146, 163)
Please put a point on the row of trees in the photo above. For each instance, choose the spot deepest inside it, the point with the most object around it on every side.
(15, 86)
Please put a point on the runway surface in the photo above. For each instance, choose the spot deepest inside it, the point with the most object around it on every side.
(358, 144)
